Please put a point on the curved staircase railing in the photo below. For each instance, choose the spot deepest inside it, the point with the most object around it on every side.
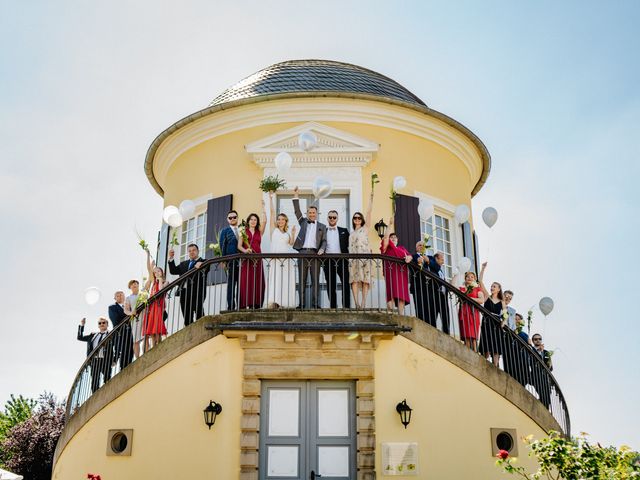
(261, 279)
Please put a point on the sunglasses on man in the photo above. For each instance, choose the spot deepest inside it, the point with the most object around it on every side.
(233, 217)
(332, 217)
(102, 323)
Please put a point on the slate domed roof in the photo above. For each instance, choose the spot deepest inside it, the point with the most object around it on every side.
(317, 77)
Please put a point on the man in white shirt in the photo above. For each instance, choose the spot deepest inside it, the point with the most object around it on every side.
(101, 360)
(511, 319)
(337, 242)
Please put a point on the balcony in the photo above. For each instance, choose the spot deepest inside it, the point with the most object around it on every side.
(266, 295)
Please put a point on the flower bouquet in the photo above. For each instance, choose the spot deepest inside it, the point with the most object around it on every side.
(272, 183)
(242, 230)
(374, 180)
(393, 197)
(174, 238)
(529, 318)
(215, 248)
(471, 287)
(425, 246)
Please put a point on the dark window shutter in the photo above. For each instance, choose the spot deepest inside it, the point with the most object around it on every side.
(407, 221)
(163, 246)
(476, 249)
(217, 209)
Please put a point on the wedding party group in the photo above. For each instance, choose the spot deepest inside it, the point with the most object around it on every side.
(295, 282)
(288, 277)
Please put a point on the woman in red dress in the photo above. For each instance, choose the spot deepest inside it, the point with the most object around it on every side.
(251, 272)
(468, 316)
(153, 327)
(396, 275)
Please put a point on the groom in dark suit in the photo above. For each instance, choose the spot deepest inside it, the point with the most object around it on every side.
(193, 291)
(312, 240)
(337, 242)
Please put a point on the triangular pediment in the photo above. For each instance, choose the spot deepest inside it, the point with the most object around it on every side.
(330, 140)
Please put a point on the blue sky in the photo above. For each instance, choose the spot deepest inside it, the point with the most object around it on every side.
(550, 87)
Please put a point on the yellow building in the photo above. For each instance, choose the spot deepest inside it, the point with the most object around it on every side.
(311, 391)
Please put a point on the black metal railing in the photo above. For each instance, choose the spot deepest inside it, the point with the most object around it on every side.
(272, 281)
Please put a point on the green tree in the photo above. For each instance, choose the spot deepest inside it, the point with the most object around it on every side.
(29, 446)
(574, 459)
(16, 410)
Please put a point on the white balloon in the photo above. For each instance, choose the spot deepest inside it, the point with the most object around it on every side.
(462, 214)
(283, 162)
(546, 305)
(187, 208)
(425, 210)
(307, 140)
(490, 216)
(92, 295)
(175, 220)
(464, 265)
(168, 211)
(322, 187)
(399, 183)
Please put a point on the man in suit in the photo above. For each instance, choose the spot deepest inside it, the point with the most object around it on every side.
(337, 242)
(193, 290)
(311, 240)
(123, 338)
(539, 377)
(437, 300)
(229, 246)
(418, 281)
(100, 363)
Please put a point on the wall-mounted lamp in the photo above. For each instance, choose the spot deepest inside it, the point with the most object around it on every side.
(210, 413)
(404, 411)
(381, 228)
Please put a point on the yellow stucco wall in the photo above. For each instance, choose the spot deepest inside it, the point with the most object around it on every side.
(452, 414)
(221, 166)
(170, 439)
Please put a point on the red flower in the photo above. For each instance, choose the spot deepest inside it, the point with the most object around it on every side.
(93, 476)
(503, 454)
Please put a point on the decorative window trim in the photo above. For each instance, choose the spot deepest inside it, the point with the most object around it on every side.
(446, 209)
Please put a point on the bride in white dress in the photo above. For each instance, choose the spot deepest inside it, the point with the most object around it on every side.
(282, 271)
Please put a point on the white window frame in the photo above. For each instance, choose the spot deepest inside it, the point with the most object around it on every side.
(201, 208)
(447, 210)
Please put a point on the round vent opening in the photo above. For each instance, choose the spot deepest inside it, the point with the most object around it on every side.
(504, 441)
(119, 442)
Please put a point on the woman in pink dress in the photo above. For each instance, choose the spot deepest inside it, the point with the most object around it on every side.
(468, 316)
(396, 275)
(153, 327)
(251, 272)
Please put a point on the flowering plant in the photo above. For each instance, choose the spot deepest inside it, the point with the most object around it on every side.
(561, 457)
(374, 180)
(272, 183)
(505, 315)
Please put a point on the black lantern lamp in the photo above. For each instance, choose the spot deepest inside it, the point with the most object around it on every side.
(381, 228)
(210, 413)
(404, 411)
